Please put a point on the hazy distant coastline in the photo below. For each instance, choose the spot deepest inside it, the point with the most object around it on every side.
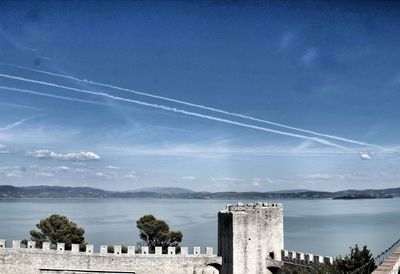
(8, 191)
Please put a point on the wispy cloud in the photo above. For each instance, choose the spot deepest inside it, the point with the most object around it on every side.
(261, 181)
(62, 168)
(113, 167)
(188, 178)
(71, 156)
(215, 149)
(38, 135)
(322, 176)
(4, 149)
(44, 174)
(226, 179)
(361, 176)
(12, 171)
(287, 39)
(309, 56)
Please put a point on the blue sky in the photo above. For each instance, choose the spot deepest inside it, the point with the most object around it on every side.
(330, 68)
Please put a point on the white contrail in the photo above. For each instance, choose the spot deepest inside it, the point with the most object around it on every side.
(13, 125)
(315, 139)
(20, 122)
(32, 92)
(199, 106)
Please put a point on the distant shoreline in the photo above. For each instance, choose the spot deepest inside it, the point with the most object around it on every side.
(362, 197)
(56, 192)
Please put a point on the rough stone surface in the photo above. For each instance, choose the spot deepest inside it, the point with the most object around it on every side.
(38, 261)
(249, 236)
(250, 241)
(391, 265)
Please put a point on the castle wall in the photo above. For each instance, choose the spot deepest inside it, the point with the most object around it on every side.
(18, 260)
(250, 241)
(391, 265)
(251, 234)
(225, 243)
(304, 258)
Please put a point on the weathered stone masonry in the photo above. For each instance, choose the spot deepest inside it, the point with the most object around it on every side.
(250, 241)
(30, 260)
(248, 235)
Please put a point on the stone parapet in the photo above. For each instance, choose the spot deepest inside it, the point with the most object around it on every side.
(391, 265)
(103, 249)
(304, 258)
(18, 258)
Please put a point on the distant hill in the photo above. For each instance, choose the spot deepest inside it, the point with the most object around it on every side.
(8, 191)
(164, 190)
(291, 191)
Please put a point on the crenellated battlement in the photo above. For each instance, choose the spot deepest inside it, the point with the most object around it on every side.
(250, 240)
(304, 258)
(104, 250)
(250, 206)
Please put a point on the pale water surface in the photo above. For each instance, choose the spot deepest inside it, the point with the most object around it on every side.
(326, 227)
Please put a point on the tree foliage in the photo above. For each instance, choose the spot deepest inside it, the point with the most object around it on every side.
(155, 232)
(356, 259)
(58, 229)
(360, 259)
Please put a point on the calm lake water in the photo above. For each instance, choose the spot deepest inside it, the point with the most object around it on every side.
(326, 227)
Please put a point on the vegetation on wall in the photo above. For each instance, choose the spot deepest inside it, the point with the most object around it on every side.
(358, 259)
(154, 232)
(58, 229)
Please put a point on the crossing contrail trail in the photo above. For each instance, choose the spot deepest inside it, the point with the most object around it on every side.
(20, 122)
(32, 92)
(189, 113)
(13, 125)
(199, 106)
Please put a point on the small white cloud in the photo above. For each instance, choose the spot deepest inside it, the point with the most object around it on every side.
(10, 174)
(226, 179)
(309, 56)
(365, 156)
(12, 171)
(324, 176)
(61, 168)
(113, 167)
(317, 176)
(131, 176)
(71, 156)
(101, 174)
(189, 178)
(44, 174)
(3, 149)
(258, 181)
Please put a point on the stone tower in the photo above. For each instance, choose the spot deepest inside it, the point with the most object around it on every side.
(250, 238)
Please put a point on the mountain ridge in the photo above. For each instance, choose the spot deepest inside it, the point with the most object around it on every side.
(43, 191)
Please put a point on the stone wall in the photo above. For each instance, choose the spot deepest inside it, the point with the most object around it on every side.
(391, 265)
(304, 258)
(31, 260)
(250, 237)
(250, 241)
